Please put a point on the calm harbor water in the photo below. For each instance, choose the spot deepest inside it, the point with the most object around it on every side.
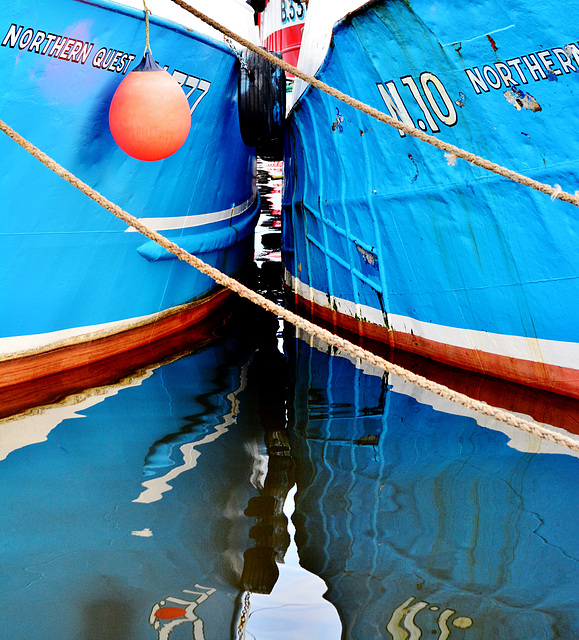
(263, 486)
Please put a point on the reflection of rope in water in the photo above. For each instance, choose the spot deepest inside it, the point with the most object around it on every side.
(244, 616)
(155, 488)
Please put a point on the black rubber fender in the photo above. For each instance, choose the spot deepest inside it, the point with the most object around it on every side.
(257, 5)
(262, 104)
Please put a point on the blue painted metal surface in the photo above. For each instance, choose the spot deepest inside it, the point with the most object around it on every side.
(66, 262)
(387, 222)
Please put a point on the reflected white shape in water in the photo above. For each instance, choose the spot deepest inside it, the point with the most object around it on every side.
(156, 487)
(402, 625)
(33, 426)
(442, 623)
(518, 439)
(295, 609)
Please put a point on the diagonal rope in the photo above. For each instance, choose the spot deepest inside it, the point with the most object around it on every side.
(555, 192)
(285, 314)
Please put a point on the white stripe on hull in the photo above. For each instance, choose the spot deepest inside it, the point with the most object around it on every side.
(560, 354)
(27, 345)
(198, 220)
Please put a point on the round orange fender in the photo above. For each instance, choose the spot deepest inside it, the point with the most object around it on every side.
(149, 114)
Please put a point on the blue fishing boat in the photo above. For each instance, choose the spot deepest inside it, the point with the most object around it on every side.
(392, 239)
(78, 286)
(424, 519)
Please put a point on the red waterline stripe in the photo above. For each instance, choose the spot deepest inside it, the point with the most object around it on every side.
(561, 380)
(48, 376)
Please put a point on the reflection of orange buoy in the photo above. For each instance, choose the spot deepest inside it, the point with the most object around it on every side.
(149, 115)
(169, 613)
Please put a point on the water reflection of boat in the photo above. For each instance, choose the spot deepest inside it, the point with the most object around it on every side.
(83, 558)
(422, 521)
(165, 616)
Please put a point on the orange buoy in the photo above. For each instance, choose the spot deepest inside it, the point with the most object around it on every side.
(149, 115)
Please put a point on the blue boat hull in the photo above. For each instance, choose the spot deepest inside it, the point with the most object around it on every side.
(69, 268)
(387, 237)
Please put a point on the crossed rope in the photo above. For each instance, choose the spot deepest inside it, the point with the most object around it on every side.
(243, 291)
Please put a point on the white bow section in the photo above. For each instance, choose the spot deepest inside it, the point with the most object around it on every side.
(321, 17)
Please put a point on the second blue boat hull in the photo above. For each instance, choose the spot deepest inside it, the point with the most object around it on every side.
(389, 238)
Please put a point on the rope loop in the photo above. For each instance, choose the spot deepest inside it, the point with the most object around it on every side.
(147, 44)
